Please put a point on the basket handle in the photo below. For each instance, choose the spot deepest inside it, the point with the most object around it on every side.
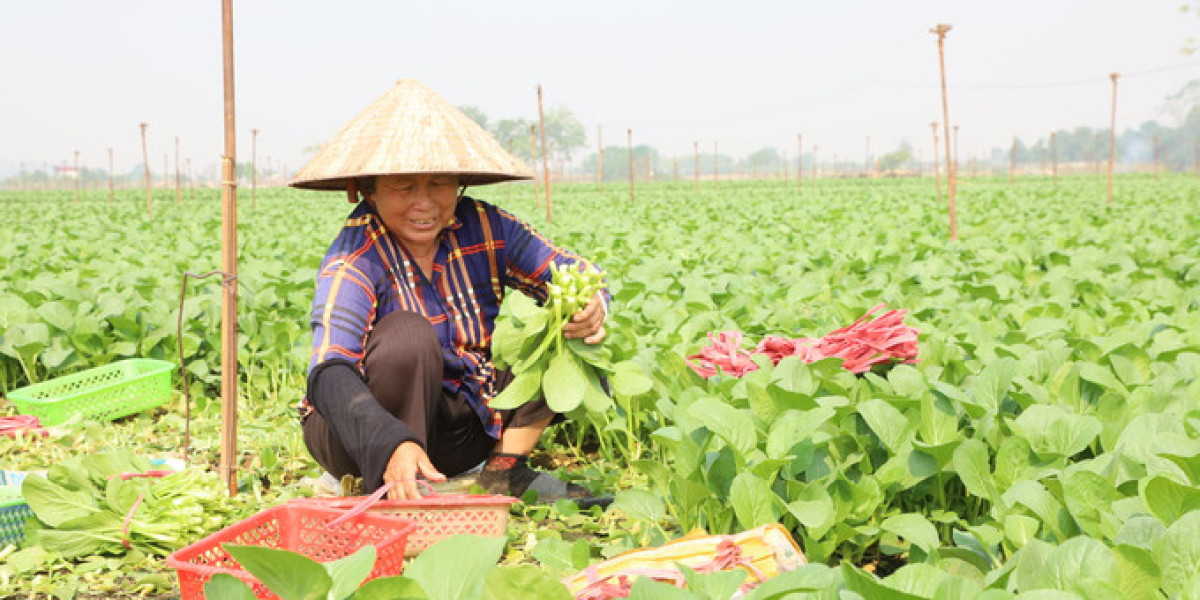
(363, 505)
(370, 501)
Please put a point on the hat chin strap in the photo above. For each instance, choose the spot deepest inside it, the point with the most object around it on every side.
(352, 191)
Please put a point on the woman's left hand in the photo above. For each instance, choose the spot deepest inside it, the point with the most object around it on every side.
(588, 323)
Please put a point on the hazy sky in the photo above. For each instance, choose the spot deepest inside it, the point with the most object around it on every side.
(81, 74)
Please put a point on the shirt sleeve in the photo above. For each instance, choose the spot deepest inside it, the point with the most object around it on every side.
(343, 308)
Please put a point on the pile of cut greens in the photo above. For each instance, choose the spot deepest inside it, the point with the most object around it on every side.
(100, 504)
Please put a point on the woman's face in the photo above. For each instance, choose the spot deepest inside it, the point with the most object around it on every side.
(416, 208)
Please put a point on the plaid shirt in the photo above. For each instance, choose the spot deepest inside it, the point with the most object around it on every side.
(366, 275)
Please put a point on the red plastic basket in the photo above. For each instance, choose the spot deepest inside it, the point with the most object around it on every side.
(436, 516)
(298, 528)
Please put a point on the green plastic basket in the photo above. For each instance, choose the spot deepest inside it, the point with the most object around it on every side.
(102, 394)
(13, 513)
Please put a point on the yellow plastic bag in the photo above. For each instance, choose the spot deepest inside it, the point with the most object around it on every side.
(762, 552)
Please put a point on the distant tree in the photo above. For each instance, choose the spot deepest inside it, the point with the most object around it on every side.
(616, 162)
(764, 161)
(897, 159)
(564, 133)
(513, 134)
(476, 114)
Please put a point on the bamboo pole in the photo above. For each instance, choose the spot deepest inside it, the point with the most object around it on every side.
(253, 168)
(178, 176)
(1112, 137)
(1054, 157)
(941, 30)
(937, 170)
(78, 175)
(229, 300)
(146, 166)
(816, 165)
(166, 180)
(675, 169)
(629, 145)
(111, 192)
(545, 168)
(799, 162)
(696, 149)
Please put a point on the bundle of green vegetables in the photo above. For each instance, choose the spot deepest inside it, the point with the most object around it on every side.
(528, 339)
(117, 502)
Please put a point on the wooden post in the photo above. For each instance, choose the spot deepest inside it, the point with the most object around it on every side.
(937, 170)
(675, 168)
(1054, 157)
(1112, 137)
(816, 170)
(799, 161)
(146, 165)
(178, 176)
(545, 168)
(696, 148)
(166, 178)
(629, 133)
(599, 156)
(111, 193)
(229, 300)
(253, 168)
(940, 31)
(78, 175)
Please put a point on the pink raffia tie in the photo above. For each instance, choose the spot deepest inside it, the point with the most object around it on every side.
(128, 520)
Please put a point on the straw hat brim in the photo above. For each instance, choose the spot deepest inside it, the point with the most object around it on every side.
(410, 130)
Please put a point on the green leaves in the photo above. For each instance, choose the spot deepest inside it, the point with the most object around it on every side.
(293, 576)
(455, 567)
(563, 383)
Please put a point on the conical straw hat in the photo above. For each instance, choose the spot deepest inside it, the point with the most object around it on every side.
(410, 129)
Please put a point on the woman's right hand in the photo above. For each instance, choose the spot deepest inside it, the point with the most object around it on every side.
(408, 462)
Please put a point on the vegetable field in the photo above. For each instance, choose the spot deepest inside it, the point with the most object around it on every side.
(1044, 445)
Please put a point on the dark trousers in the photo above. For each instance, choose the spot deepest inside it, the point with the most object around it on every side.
(403, 365)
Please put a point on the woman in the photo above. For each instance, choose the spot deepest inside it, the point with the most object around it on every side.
(406, 301)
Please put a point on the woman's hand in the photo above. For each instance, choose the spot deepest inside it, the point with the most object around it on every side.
(588, 323)
(407, 462)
